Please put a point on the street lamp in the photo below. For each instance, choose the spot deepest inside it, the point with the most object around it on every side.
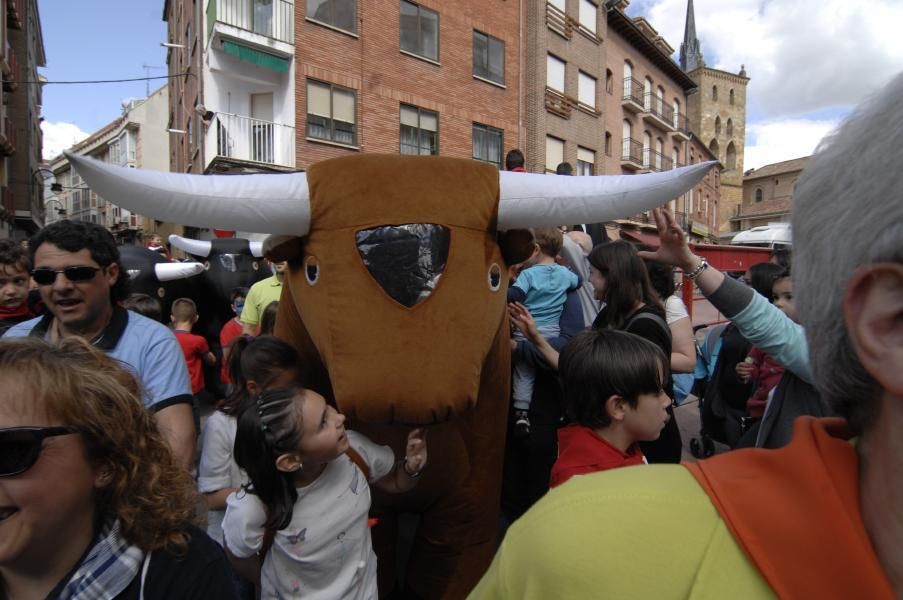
(61, 211)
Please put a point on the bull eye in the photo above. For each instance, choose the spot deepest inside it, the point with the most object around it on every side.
(254, 265)
(161, 292)
(206, 265)
(311, 270)
(495, 277)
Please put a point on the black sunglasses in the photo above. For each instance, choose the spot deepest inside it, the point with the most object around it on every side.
(21, 446)
(45, 276)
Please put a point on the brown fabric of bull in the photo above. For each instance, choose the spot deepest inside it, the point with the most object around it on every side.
(443, 362)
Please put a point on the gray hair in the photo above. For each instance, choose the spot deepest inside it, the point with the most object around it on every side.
(848, 212)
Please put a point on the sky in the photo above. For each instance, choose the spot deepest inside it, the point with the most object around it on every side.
(810, 61)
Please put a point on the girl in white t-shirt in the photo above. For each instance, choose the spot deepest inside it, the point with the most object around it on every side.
(304, 515)
(255, 364)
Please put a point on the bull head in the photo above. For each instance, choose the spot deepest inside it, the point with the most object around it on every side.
(398, 275)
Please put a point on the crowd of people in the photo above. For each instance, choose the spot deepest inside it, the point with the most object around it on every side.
(113, 460)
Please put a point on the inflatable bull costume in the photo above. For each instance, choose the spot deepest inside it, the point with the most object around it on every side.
(396, 301)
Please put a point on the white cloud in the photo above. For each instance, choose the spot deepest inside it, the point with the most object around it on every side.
(774, 141)
(803, 56)
(59, 136)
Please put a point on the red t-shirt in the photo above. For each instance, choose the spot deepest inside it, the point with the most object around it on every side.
(195, 348)
(229, 332)
(581, 451)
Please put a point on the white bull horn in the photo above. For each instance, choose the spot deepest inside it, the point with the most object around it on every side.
(256, 249)
(266, 203)
(173, 271)
(533, 200)
(191, 246)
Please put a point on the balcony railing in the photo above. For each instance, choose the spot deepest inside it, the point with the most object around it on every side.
(253, 140)
(632, 154)
(659, 111)
(559, 104)
(271, 18)
(656, 161)
(634, 90)
(681, 125)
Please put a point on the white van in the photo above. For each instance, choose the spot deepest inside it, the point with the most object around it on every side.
(773, 235)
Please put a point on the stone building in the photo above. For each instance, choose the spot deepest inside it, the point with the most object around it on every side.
(767, 193)
(717, 114)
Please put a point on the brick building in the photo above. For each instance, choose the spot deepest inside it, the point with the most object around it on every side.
(767, 193)
(22, 172)
(284, 85)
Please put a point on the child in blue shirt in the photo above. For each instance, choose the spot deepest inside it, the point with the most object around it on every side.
(542, 286)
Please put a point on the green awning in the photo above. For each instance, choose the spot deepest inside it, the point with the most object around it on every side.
(256, 57)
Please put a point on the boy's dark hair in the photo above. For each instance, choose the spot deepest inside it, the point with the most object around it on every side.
(238, 292)
(549, 240)
(73, 236)
(762, 277)
(626, 281)
(514, 159)
(184, 310)
(599, 363)
(12, 254)
(145, 305)
(661, 276)
(268, 318)
(262, 360)
(270, 426)
(564, 168)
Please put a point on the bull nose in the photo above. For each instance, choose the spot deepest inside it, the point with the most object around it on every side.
(406, 260)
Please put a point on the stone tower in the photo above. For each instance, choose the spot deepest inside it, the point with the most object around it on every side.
(717, 115)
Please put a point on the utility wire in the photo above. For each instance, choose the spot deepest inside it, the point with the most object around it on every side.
(106, 80)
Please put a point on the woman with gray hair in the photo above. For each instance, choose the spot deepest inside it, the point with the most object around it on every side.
(821, 517)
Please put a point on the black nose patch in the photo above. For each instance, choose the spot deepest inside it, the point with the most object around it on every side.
(406, 260)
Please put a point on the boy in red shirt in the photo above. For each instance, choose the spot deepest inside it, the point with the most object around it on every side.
(194, 347)
(15, 278)
(231, 330)
(613, 385)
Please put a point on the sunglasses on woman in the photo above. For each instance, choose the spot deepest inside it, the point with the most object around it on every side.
(21, 446)
(45, 276)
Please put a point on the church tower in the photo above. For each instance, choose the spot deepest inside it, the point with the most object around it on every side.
(717, 115)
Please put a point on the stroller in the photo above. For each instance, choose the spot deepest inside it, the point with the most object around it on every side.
(722, 396)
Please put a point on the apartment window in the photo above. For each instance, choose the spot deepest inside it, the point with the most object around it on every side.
(715, 93)
(717, 125)
(559, 4)
(659, 153)
(647, 94)
(586, 89)
(419, 131)
(488, 57)
(647, 149)
(331, 113)
(607, 143)
(587, 15)
(730, 97)
(113, 155)
(675, 106)
(675, 154)
(337, 13)
(609, 81)
(729, 128)
(554, 153)
(626, 135)
(555, 73)
(692, 196)
(419, 30)
(758, 194)
(487, 144)
(586, 161)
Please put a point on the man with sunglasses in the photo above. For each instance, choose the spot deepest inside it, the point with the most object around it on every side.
(76, 267)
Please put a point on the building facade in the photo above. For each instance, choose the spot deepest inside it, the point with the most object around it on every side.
(137, 139)
(768, 193)
(717, 114)
(285, 85)
(22, 172)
